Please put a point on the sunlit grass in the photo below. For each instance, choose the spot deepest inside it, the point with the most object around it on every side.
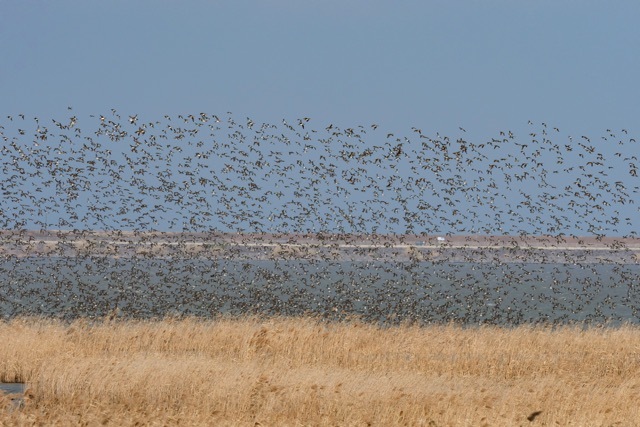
(301, 371)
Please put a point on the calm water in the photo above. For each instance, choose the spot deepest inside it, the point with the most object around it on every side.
(469, 293)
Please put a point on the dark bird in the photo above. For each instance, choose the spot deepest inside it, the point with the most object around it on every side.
(533, 416)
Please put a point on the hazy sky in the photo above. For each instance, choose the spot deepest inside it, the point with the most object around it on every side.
(483, 65)
(487, 66)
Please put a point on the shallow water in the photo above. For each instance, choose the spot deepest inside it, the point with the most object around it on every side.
(12, 388)
(469, 293)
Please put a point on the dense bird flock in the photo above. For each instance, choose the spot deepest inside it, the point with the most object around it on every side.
(202, 214)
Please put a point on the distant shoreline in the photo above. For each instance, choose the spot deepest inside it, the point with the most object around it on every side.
(382, 240)
(327, 247)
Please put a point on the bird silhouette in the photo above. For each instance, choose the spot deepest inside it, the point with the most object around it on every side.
(533, 415)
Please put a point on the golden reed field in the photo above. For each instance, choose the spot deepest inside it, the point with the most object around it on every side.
(302, 371)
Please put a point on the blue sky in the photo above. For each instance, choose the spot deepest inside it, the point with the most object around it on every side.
(483, 65)
(486, 66)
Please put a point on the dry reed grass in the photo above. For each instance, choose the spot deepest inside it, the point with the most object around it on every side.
(301, 371)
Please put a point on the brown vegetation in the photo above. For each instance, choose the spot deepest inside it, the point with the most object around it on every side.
(305, 372)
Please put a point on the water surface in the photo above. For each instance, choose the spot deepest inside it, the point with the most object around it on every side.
(426, 292)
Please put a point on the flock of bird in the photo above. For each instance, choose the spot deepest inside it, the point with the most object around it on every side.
(204, 173)
(386, 292)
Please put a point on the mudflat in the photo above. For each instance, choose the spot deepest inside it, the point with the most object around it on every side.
(259, 246)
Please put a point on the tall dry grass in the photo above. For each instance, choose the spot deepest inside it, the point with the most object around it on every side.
(301, 371)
